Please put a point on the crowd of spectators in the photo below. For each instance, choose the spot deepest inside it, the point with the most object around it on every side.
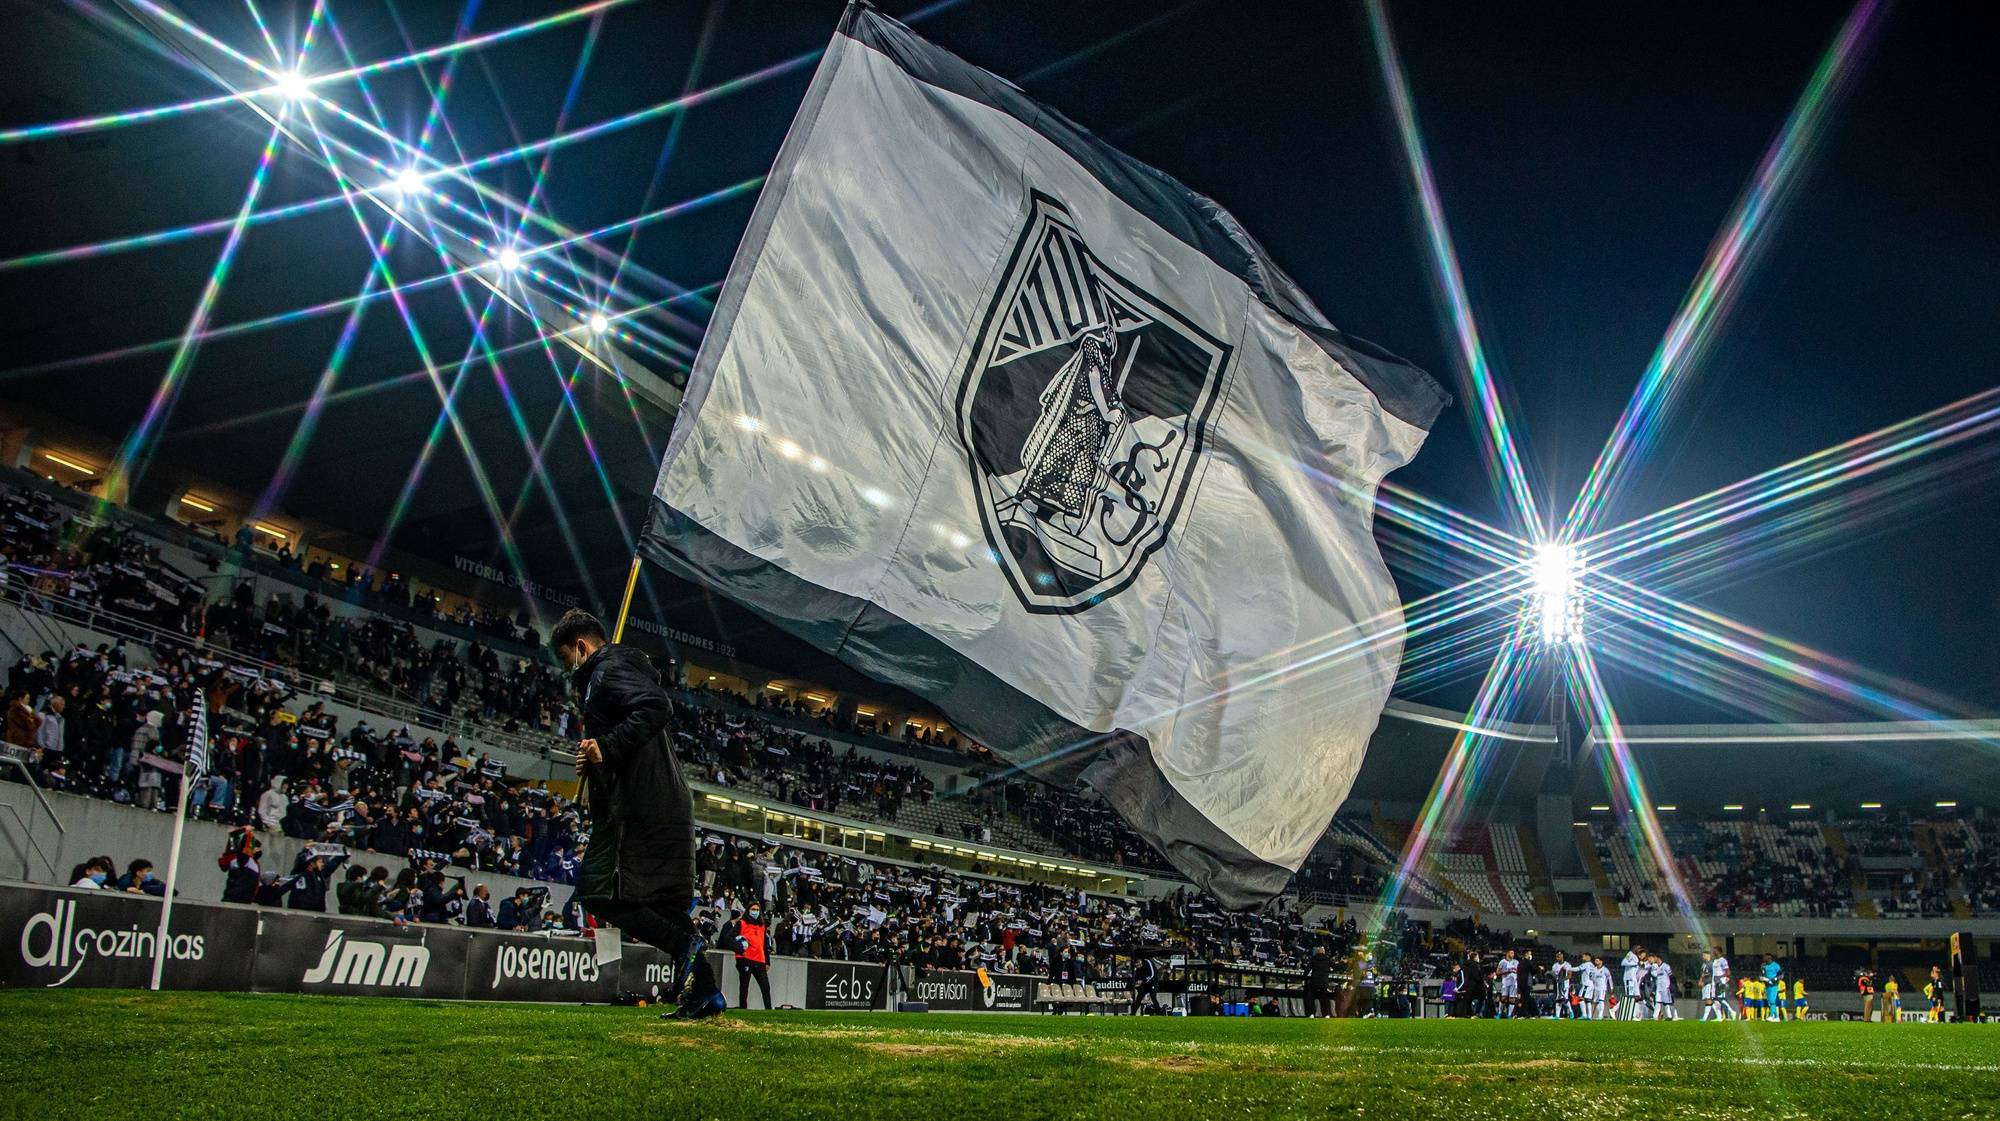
(1980, 866)
(104, 724)
(447, 678)
(444, 677)
(1908, 882)
(1732, 874)
(743, 750)
(425, 890)
(850, 908)
(99, 726)
(66, 557)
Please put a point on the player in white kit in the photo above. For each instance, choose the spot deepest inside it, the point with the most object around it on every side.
(1663, 989)
(1724, 986)
(1632, 967)
(1707, 985)
(1510, 985)
(1561, 972)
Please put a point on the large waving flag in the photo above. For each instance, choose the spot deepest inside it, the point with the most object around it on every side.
(996, 413)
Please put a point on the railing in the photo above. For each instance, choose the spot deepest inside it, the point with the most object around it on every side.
(14, 757)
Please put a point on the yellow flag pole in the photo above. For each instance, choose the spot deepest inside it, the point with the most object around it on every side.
(625, 605)
(617, 632)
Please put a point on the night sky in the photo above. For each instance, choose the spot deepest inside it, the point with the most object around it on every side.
(1586, 157)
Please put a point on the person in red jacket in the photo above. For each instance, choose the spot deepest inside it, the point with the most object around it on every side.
(751, 939)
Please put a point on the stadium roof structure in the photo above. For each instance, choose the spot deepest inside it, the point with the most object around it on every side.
(1839, 768)
(1696, 769)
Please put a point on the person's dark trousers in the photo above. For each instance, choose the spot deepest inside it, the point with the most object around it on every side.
(1142, 997)
(745, 970)
(667, 930)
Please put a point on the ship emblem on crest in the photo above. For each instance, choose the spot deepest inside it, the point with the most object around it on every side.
(1082, 410)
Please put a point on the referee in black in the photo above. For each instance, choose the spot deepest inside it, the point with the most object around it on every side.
(638, 872)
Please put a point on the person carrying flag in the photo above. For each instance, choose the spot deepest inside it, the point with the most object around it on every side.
(638, 871)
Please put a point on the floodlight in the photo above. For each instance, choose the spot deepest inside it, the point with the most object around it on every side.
(508, 259)
(599, 323)
(409, 181)
(1558, 574)
(293, 85)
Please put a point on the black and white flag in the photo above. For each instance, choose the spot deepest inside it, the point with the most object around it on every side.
(996, 413)
(197, 743)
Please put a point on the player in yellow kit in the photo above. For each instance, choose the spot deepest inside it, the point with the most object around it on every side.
(1892, 1000)
(1799, 1006)
(1753, 999)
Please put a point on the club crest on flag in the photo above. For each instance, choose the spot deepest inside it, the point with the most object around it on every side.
(1082, 412)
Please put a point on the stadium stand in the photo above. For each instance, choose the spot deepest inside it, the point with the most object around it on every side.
(407, 670)
(832, 905)
(375, 719)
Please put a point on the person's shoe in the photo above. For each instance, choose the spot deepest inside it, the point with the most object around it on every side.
(715, 1005)
(685, 974)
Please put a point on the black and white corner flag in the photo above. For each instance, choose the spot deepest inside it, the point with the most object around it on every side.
(197, 742)
(993, 412)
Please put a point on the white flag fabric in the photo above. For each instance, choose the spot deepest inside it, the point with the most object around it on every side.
(197, 744)
(995, 413)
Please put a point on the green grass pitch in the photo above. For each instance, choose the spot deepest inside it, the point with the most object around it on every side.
(100, 1054)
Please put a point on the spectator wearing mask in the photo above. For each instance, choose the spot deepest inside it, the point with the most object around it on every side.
(92, 873)
(311, 876)
(49, 736)
(139, 879)
(479, 909)
(519, 912)
(239, 866)
(23, 723)
(435, 899)
(145, 738)
(351, 897)
(272, 804)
